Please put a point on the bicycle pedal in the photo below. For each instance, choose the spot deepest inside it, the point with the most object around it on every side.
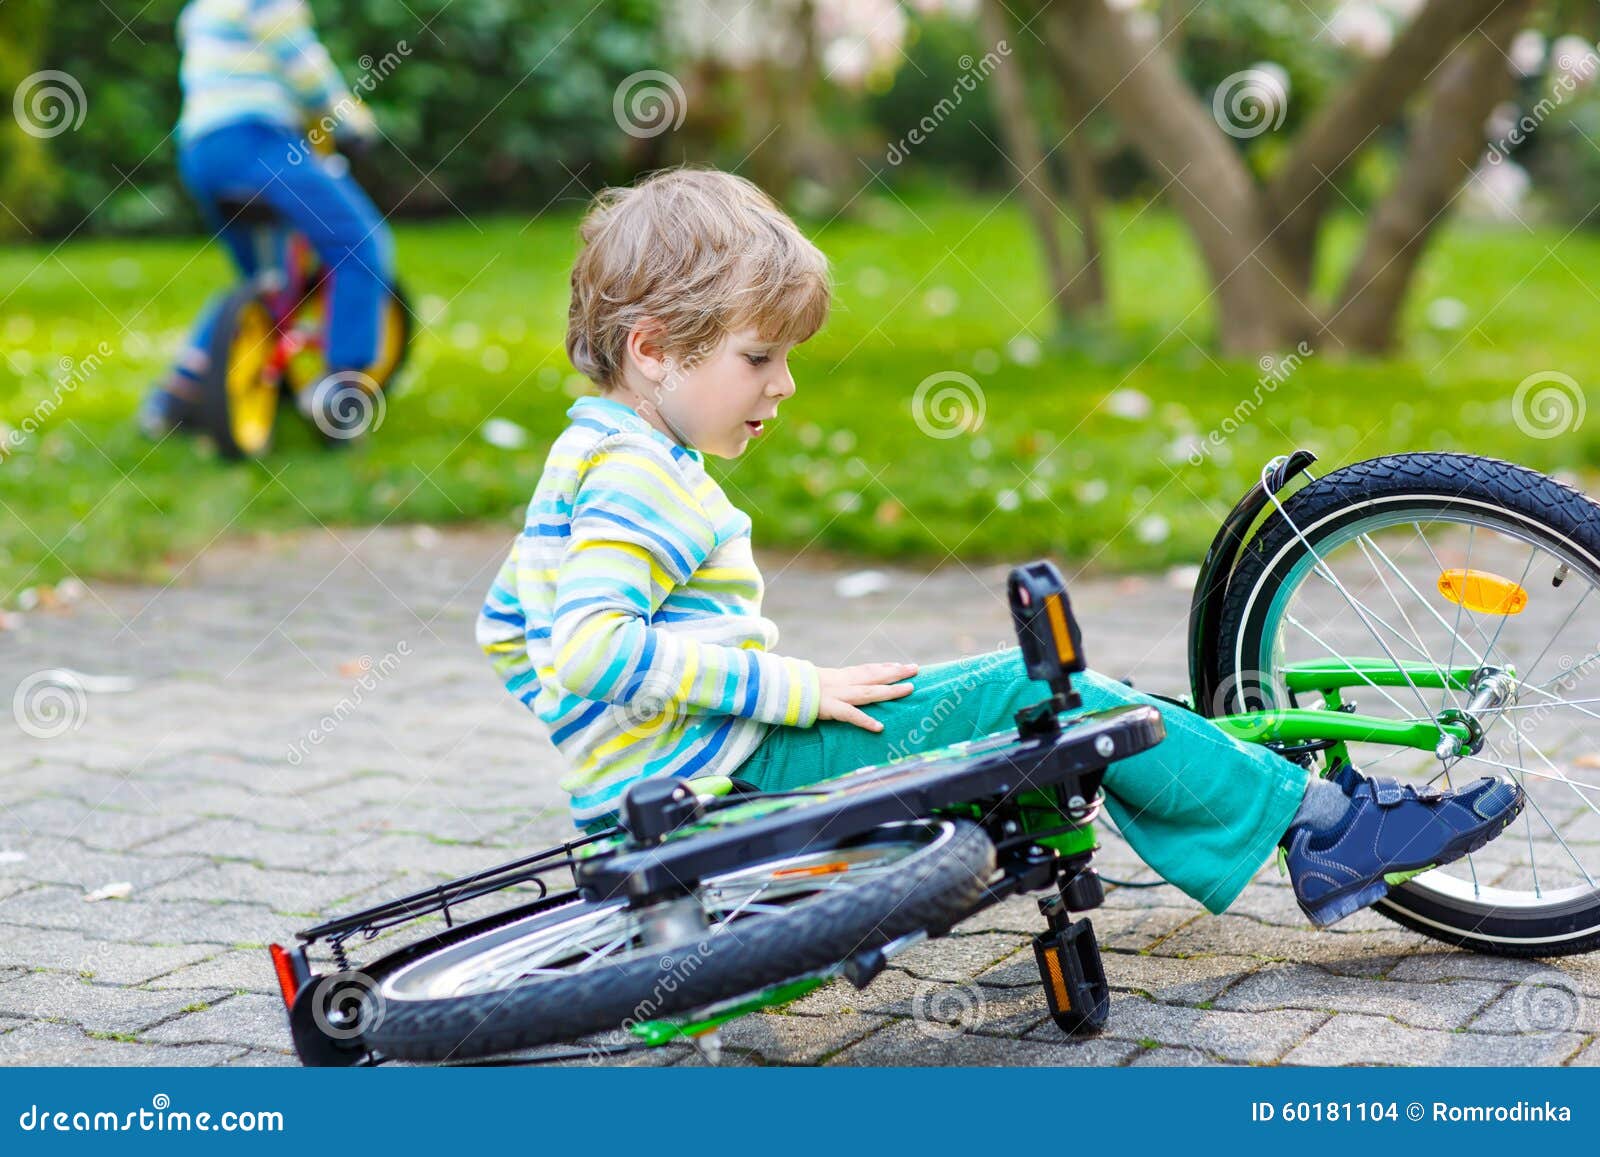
(863, 968)
(1083, 891)
(1074, 978)
(654, 807)
(1047, 631)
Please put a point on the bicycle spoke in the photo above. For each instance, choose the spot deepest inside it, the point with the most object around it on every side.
(1505, 615)
(589, 961)
(1536, 706)
(1455, 630)
(1365, 678)
(1354, 604)
(1455, 633)
(1533, 860)
(1532, 802)
(1367, 617)
(1398, 634)
(1577, 788)
(1534, 666)
(1394, 598)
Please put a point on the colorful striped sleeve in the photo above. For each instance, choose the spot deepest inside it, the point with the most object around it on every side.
(502, 627)
(637, 533)
(284, 29)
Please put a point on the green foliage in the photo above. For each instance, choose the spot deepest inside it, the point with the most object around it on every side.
(1222, 37)
(496, 103)
(27, 179)
(939, 53)
(1561, 156)
(488, 103)
(943, 284)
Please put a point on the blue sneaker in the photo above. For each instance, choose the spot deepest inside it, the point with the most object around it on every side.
(163, 412)
(1391, 832)
(1347, 777)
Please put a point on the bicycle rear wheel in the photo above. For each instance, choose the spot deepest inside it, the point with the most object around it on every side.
(1358, 563)
(309, 364)
(587, 967)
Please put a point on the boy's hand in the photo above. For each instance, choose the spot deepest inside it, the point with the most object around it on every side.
(844, 687)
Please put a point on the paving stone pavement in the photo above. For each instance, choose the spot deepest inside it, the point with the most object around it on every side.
(309, 726)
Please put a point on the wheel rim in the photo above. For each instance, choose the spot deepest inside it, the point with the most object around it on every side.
(1387, 556)
(391, 340)
(309, 364)
(580, 937)
(252, 395)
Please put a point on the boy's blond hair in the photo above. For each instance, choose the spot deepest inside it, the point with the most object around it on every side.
(702, 252)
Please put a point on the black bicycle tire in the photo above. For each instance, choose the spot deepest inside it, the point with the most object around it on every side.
(398, 292)
(929, 891)
(212, 405)
(1548, 508)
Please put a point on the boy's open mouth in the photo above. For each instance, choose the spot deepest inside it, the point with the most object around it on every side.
(754, 428)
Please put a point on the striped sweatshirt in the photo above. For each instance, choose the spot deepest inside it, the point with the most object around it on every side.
(258, 60)
(628, 615)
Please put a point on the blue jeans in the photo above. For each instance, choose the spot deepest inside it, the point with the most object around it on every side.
(254, 159)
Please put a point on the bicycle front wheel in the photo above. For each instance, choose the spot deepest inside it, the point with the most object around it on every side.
(1372, 560)
(585, 967)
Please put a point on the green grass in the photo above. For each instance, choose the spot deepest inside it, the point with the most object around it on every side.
(941, 285)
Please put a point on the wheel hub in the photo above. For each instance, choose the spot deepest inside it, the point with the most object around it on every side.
(1492, 688)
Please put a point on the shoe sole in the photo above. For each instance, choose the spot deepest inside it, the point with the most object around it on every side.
(1337, 907)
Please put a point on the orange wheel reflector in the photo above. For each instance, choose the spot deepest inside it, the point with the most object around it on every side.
(1480, 591)
(814, 870)
(285, 971)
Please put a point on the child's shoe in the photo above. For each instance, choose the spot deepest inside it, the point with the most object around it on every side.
(163, 412)
(1391, 831)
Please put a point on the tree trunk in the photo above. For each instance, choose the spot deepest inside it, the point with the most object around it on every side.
(1297, 197)
(809, 151)
(1203, 173)
(1084, 183)
(1445, 144)
(1019, 130)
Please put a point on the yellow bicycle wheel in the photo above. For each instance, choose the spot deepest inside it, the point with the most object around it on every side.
(239, 394)
(308, 365)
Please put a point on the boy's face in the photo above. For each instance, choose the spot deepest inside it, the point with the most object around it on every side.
(716, 404)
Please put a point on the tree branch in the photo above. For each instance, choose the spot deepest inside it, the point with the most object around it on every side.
(1445, 143)
(1297, 196)
(1204, 175)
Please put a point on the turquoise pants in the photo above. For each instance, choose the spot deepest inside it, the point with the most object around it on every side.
(1201, 808)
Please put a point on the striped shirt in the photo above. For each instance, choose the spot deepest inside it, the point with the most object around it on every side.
(628, 615)
(258, 60)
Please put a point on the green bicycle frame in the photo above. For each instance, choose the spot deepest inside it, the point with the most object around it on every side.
(1290, 726)
(1328, 677)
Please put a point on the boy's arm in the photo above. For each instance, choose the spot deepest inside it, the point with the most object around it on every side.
(284, 29)
(637, 534)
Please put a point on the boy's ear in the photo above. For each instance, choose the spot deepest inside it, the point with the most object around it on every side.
(646, 351)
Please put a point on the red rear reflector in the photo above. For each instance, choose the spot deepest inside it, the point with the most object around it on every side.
(285, 970)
